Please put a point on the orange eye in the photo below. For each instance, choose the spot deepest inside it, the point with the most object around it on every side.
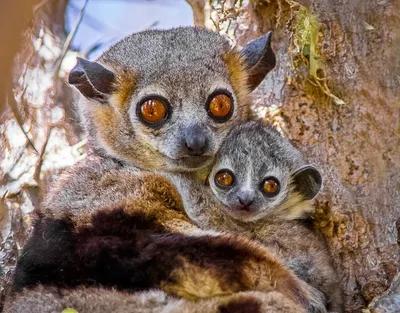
(271, 186)
(220, 106)
(224, 178)
(153, 111)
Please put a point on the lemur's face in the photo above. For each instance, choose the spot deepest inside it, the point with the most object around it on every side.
(183, 116)
(258, 173)
(166, 99)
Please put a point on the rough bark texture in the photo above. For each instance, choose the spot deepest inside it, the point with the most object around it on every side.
(389, 302)
(356, 144)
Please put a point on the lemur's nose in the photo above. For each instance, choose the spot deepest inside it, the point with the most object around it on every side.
(196, 145)
(195, 141)
(246, 200)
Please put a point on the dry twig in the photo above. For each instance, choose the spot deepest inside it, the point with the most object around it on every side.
(10, 100)
(69, 39)
(38, 169)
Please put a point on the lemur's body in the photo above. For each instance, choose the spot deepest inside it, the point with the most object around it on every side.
(160, 100)
(253, 152)
(133, 235)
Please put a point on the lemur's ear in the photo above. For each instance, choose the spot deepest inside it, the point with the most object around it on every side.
(259, 58)
(307, 181)
(93, 80)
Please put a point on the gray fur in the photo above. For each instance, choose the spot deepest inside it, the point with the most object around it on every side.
(184, 66)
(254, 152)
(181, 57)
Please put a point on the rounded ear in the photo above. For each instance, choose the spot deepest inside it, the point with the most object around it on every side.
(259, 59)
(307, 181)
(93, 80)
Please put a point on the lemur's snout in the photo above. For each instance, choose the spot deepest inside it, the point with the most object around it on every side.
(195, 141)
(246, 199)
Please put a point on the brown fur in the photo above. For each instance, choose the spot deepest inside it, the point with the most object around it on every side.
(99, 300)
(238, 76)
(243, 305)
(139, 232)
(125, 86)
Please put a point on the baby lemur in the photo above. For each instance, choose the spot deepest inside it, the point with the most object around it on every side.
(261, 187)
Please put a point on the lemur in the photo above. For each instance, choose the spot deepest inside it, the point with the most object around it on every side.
(162, 100)
(165, 99)
(127, 229)
(261, 187)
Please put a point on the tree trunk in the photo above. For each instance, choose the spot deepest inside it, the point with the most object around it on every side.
(35, 96)
(13, 16)
(334, 92)
(198, 12)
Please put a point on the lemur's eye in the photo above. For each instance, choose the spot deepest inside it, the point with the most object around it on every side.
(153, 111)
(220, 106)
(271, 186)
(224, 178)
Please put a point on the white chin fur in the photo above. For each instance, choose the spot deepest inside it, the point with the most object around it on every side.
(245, 216)
(295, 208)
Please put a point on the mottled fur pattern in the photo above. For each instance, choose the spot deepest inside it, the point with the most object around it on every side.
(253, 151)
(141, 239)
(99, 300)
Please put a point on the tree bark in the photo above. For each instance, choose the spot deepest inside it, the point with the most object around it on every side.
(357, 143)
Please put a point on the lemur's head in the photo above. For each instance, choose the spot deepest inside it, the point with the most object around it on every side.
(258, 173)
(165, 99)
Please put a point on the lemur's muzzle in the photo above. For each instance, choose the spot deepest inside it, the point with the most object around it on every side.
(195, 141)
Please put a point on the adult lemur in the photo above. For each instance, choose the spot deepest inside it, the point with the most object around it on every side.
(157, 100)
(166, 99)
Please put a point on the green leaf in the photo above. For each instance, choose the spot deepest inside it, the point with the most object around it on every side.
(69, 310)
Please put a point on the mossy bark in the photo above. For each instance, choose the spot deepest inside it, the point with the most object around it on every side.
(356, 144)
